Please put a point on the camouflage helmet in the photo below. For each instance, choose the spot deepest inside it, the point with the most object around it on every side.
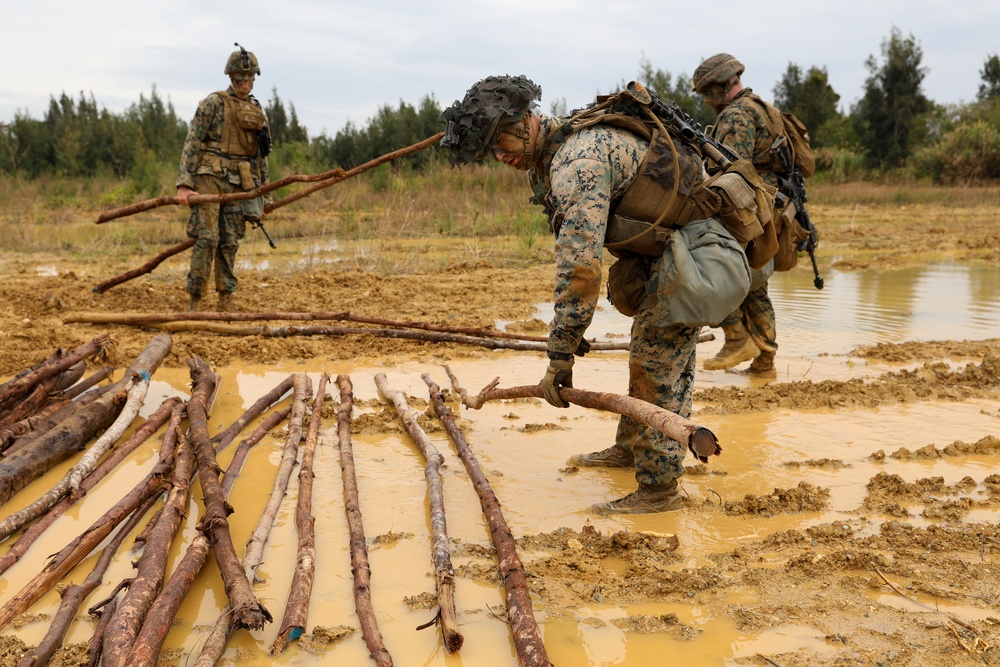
(720, 68)
(242, 62)
(473, 125)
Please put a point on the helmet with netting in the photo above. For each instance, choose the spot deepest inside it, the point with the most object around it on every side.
(242, 62)
(720, 68)
(473, 125)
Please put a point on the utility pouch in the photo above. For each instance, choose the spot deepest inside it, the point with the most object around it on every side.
(629, 233)
(739, 207)
(246, 175)
(790, 236)
(253, 209)
(627, 279)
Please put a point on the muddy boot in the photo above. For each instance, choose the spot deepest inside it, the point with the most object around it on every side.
(195, 304)
(763, 364)
(614, 456)
(739, 347)
(226, 304)
(647, 499)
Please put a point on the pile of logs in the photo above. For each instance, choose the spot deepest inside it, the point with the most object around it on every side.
(52, 412)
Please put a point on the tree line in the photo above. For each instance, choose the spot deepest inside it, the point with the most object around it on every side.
(892, 130)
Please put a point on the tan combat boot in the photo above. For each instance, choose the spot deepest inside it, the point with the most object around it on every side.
(195, 304)
(226, 304)
(614, 456)
(763, 364)
(647, 499)
(739, 347)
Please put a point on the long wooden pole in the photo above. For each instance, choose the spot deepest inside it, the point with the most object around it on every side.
(444, 572)
(359, 550)
(699, 440)
(527, 636)
(148, 267)
(293, 621)
(323, 180)
(11, 390)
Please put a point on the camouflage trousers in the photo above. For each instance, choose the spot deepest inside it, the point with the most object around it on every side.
(661, 371)
(217, 230)
(757, 314)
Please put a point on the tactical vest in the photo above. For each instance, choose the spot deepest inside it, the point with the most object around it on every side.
(242, 121)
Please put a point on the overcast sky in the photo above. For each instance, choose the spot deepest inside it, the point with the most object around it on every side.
(339, 60)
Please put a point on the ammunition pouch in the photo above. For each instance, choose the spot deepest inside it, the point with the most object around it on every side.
(627, 280)
(747, 210)
(790, 235)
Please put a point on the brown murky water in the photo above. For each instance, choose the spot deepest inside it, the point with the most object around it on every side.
(523, 446)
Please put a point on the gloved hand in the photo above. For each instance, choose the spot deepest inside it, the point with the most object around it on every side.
(583, 348)
(558, 374)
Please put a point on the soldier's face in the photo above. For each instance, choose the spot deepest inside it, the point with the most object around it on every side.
(514, 150)
(715, 96)
(242, 84)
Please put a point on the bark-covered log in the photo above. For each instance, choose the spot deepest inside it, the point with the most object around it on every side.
(91, 380)
(47, 389)
(26, 431)
(359, 550)
(248, 612)
(79, 548)
(103, 287)
(699, 440)
(444, 572)
(146, 649)
(222, 439)
(74, 594)
(152, 566)
(170, 409)
(293, 621)
(527, 637)
(10, 391)
(30, 462)
(70, 482)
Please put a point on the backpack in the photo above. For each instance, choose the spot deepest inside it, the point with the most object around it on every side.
(785, 124)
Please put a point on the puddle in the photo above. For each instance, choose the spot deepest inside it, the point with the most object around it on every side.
(527, 470)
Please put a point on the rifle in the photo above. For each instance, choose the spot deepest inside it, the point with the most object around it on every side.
(793, 186)
(257, 223)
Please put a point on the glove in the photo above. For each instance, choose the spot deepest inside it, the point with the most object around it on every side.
(558, 374)
(583, 348)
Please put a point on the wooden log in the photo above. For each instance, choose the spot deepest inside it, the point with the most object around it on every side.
(222, 439)
(527, 637)
(248, 612)
(90, 381)
(148, 267)
(345, 316)
(79, 548)
(359, 550)
(293, 621)
(699, 440)
(26, 431)
(97, 640)
(444, 572)
(170, 408)
(44, 391)
(72, 596)
(70, 482)
(9, 391)
(151, 568)
(146, 649)
(30, 462)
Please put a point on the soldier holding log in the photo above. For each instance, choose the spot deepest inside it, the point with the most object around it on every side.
(581, 173)
(225, 151)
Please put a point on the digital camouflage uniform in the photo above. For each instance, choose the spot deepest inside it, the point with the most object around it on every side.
(216, 228)
(741, 127)
(592, 168)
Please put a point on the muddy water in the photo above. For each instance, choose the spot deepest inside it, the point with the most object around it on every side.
(526, 467)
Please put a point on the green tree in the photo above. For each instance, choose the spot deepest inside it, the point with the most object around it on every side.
(277, 117)
(886, 116)
(811, 98)
(989, 89)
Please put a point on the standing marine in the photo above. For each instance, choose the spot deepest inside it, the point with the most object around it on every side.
(580, 174)
(225, 152)
(750, 330)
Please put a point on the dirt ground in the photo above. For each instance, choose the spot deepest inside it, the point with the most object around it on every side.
(824, 577)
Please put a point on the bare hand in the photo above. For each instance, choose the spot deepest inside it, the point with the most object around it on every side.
(183, 193)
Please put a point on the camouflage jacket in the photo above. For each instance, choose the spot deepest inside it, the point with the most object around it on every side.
(585, 176)
(741, 126)
(207, 127)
